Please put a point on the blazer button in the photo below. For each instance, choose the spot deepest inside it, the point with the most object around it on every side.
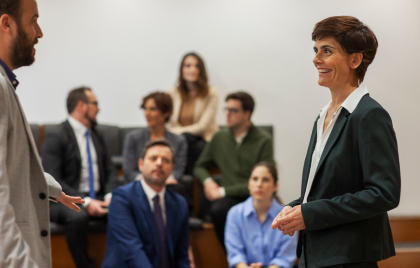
(42, 196)
(327, 224)
(44, 233)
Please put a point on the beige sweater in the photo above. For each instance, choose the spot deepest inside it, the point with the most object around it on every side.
(205, 110)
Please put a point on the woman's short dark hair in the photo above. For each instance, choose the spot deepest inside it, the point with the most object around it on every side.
(12, 8)
(352, 35)
(202, 82)
(247, 101)
(163, 102)
(76, 95)
(162, 142)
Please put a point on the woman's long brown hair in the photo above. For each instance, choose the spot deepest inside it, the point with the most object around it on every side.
(203, 87)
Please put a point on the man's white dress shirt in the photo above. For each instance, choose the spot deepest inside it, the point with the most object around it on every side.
(349, 104)
(80, 132)
(150, 193)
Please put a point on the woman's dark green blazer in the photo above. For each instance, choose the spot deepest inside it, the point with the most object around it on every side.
(356, 182)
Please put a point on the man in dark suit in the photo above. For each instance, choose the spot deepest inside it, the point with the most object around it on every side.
(147, 222)
(75, 154)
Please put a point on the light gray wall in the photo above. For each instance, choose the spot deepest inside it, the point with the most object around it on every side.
(127, 48)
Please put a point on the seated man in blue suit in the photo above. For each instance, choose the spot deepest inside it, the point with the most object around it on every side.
(148, 223)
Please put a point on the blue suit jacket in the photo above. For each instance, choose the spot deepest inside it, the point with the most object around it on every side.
(132, 238)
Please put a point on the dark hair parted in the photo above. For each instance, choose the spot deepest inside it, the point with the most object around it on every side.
(12, 8)
(162, 142)
(247, 101)
(163, 102)
(202, 82)
(352, 35)
(271, 167)
(76, 95)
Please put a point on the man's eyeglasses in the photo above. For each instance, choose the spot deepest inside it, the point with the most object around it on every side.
(93, 102)
(231, 110)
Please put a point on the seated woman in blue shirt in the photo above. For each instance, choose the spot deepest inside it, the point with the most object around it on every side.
(250, 241)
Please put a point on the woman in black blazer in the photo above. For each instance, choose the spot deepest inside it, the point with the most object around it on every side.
(351, 174)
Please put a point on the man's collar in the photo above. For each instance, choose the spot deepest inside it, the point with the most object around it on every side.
(77, 126)
(10, 74)
(150, 193)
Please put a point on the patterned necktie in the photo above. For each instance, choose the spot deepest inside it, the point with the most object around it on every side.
(157, 213)
(92, 193)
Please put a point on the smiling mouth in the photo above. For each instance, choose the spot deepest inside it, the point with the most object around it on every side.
(324, 71)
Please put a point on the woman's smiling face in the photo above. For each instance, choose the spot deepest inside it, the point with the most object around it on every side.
(333, 63)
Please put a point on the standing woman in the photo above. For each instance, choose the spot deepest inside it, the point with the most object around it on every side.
(250, 241)
(351, 174)
(195, 105)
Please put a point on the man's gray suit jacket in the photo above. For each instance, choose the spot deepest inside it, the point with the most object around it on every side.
(24, 188)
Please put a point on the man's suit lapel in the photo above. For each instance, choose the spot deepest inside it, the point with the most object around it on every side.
(170, 218)
(147, 213)
(28, 131)
(308, 159)
(335, 133)
(72, 137)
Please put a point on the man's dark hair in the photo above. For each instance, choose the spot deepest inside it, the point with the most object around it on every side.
(162, 142)
(12, 8)
(76, 95)
(163, 102)
(247, 101)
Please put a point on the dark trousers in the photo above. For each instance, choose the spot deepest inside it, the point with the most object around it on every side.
(218, 214)
(195, 147)
(306, 256)
(76, 231)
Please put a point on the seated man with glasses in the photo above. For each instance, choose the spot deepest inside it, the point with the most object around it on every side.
(235, 150)
(74, 153)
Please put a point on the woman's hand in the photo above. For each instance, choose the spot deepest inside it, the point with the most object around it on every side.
(289, 221)
(70, 201)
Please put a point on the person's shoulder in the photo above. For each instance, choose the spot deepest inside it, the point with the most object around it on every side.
(368, 107)
(127, 189)
(172, 137)
(213, 91)
(261, 133)
(176, 199)
(136, 133)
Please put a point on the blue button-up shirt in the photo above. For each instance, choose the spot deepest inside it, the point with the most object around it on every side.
(10, 74)
(249, 241)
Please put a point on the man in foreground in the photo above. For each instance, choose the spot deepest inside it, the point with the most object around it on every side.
(24, 188)
(147, 222)
(74, 153)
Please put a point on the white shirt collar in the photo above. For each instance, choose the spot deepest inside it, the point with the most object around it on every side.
(150, 193)
(351, 102)
(78, 127)
(239, 139)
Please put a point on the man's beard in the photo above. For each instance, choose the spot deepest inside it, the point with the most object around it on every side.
(22, 49)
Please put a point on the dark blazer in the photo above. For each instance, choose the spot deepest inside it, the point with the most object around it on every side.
(133, 147)
(132, 237)
(356, 182)
(61, 158)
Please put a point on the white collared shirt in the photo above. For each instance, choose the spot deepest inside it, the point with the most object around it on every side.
(240, 138)
(150, 193)
(349, 104)
(80, 131)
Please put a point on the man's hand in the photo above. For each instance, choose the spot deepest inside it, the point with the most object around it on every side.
(289, 220)
(70, 201)
(212, 190)
(255, 265)
(95, 209)
(107, 202)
